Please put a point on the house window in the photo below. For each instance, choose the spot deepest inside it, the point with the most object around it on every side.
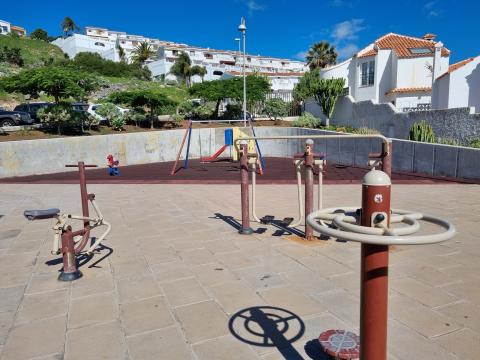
(208, 56)
(367, 74)
(217, 72)
(249, 59)
(418, 51)
(192, 53)
(100, 44)
(174, 52)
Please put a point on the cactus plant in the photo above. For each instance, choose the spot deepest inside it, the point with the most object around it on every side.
(422, 131)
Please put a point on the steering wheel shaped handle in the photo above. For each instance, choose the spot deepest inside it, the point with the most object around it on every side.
(349, 231)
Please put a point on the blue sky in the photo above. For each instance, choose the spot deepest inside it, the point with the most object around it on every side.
(282, 28)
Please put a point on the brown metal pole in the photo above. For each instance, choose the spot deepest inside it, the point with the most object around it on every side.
(70, 271)
(309, 163)
(245, 229)
(83, 191)
(387, 158)
(374, 269)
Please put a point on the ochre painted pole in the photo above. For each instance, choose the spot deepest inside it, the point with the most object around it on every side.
(188, 124)
(374, 269)
(309, 163)
(244, 181)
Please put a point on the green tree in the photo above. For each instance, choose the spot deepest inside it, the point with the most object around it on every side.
(182, 68)
(69, 26)
(198, 70)
(143, 52)
(39, 34)
(324, 91)
(56, 81)
(151, 99)
(320, 55)
(121, 53)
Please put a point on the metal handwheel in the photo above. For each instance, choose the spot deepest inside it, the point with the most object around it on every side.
(347, 228)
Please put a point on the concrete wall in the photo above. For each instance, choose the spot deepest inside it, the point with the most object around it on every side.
(18, 158)
(459, 124)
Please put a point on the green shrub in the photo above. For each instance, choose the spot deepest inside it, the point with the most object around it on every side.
(422, 131)
(186, 109)
(109, 111)
(275, 108)
(202, 112)
(177, 117)
(58, 116)
(365, 131)
(12, 56)
(307, 120)
(93, 62)
(475, 143)
(136, 115)
(39, 34)
(233, 111)
(447, 141)
(118, 122)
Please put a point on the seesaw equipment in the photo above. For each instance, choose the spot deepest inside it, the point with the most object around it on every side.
(69, 245)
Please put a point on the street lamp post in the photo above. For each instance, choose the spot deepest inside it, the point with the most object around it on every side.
(243, 29)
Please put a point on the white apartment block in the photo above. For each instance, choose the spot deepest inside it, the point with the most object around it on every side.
(395, 68)
(7, 28)
(283, 73)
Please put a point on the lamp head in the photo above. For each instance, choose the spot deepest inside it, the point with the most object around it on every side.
(242, 27)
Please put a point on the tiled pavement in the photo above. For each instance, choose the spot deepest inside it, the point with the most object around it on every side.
(177, 274)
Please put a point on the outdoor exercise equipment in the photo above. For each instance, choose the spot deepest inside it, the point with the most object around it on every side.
(309, 160)
(371, 225)
(69, 245)
(187, 137)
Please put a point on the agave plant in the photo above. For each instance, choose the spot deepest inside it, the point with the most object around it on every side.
(422, 131)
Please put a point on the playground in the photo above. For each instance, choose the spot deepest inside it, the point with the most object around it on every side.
(278, 258)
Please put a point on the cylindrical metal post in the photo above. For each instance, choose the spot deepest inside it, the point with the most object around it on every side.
(245, 229)
(374, 269)
(70, 271)
(309, 163)
(387, 158)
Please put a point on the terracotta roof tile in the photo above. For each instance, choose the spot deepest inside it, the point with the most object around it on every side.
(402, 44)
(371, 52)
(296, 74)
(456, 66)
(408, 90)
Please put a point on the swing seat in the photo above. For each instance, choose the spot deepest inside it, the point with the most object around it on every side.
(41, 214)
(267, 219)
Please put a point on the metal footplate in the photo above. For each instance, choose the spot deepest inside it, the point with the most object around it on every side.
(41, 214)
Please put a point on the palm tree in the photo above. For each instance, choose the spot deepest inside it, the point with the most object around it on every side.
(121, 53)
(143, 52)
(320, 55)
(198, 70)
(182, 68)
(68, 26)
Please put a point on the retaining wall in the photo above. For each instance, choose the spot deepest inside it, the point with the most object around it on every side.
(19, 158)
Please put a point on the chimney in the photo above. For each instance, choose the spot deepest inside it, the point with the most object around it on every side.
(437, 64)
(429, 37)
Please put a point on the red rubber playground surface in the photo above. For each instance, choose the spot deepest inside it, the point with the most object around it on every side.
(277, 171)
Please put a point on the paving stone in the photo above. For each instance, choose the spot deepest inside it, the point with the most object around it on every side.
(10, 298)
(342, 304)
(165, 343)
(45, 282)
(224, 348)
(324, 266)
(424, 293)
(91, 283)
(104, 341)
(6, 322)
(145, 315)
(261, 277)
(464, 343)
(213, 274)
(290, 298)
(171, 271)
(197, 256)
(463, 313)
(202, 321)
(420, 318)
(130, 268)
(43, 305)
(132, 289)
(14, 276)
(236, 260)
(184, 292)
(235, 296)
(32, 340)
(92, 310)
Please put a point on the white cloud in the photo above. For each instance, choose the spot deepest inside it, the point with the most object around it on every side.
(301, 55)
(252, 6)
(431, 9)
(347, 30)
(347, 50)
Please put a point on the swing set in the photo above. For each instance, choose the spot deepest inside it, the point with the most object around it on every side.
(229, 139)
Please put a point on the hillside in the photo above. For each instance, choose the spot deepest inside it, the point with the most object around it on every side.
(34, 52)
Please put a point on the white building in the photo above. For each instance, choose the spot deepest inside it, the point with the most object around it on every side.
(459, 86)
(4, 27)
(7, 28)
(395, 68)
(284, 73)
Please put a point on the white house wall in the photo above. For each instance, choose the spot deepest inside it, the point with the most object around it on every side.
(363, 93)
(411, 100)
(464, 89)
(77, 43)
(440, 96)
(413, 72)
(383, 71)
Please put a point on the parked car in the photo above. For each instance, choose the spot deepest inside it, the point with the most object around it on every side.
(14, 118)
(32, 109)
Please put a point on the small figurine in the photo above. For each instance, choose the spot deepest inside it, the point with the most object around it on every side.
(112, 166)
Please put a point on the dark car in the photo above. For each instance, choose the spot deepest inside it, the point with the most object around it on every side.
(32, 109)
(14, 118)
